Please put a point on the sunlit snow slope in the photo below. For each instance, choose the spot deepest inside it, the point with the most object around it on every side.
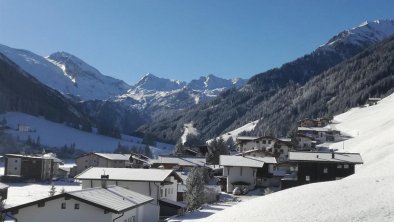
(366, 196)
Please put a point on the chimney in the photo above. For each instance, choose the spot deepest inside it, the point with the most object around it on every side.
(332, 155)
(104, 179)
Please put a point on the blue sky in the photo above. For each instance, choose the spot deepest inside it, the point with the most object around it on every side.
(181, 39)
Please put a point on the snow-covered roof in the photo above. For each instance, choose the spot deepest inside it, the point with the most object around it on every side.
(113, 198)
(127, 174)
(247, 161)
(114, 156)
(172, 203)
(247, 137)
(318, 129)
(181, 161)
(326, 157)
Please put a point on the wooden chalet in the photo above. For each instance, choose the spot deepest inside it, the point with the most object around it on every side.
(314, 167)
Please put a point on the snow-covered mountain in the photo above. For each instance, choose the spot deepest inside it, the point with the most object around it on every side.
(212, 82)
(367, 33)
(91, 83)
(152, 82)
(155, 94)
(67, 74)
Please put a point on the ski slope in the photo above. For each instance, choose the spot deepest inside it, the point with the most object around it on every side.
(368, 195)
(234, 133)
(57, 135)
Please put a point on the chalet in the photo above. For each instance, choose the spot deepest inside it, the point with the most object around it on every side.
(242, 171)
(307, 123)
(373, 101)
(24, 128)
(102, 204)
(271, 146)
(139, 161)
(199, 150)
(101, 160)
(319, 122)
(304, 142)
(26, 167)
(160, 184)
(311, 167)
(320, 134)
(178, 162)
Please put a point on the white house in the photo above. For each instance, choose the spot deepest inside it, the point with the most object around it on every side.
(108, 204)
(320, 134)
(242, 170)
(271, 146)
(160, 184)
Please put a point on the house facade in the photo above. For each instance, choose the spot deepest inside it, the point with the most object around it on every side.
(271, 146)
(311, 167)
(156, 183)
(101, 160)
(27, 167)
(242, 170)
(98, 204)
(320, 134)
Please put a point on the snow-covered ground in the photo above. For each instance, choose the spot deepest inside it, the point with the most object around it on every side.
(368, 195)
(233, 134)
(20, 193)
(57, 135)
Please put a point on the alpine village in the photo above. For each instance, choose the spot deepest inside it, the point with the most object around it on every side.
(311, 140)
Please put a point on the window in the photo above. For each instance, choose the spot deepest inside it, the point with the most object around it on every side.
(63, 206)
(76, 206)
(41, 204)
(15, 168)
(161, 192)
(16, 161)
(325, 170)
(339, 166)
(281, 151)
(165, 192)
(241, 171)
(307, 178)
(346, 166)
(269, 141)
(264, 142)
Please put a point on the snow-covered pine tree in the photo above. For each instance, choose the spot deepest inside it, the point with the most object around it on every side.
(195, 189)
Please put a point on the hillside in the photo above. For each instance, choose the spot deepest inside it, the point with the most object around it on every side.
(270, 96)
(365, 196)
(58, 135)
(21, 92)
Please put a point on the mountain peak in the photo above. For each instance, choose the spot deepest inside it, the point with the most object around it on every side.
(367, 33)
(152, 82)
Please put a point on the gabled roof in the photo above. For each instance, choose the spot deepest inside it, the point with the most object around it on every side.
(29, 156)
(247, 138)
(114, 199)
(127, 174)
(181, 161)
(114, 156)
(247, 161)
(325, 157)
(317, 129)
